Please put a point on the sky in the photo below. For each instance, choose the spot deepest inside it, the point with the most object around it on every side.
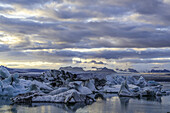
(49, 34)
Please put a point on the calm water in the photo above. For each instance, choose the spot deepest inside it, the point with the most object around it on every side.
(112, 104)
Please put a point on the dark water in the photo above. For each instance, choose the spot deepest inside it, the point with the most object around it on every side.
(111, 104)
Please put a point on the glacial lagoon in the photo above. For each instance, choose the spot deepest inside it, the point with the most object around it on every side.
(111, 104)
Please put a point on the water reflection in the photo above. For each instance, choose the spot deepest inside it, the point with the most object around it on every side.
(108, 103)
(124, 101)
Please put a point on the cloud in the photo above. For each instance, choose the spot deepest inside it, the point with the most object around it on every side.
(106, 54)
(4, 48)
(44, 30)
(95, 62)
(87, 35)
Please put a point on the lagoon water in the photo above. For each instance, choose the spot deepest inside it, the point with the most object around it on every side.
(112, 104)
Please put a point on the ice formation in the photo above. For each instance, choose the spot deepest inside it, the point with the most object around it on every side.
(125, 90)
(12, 85)
(70, 96)
(65, 87)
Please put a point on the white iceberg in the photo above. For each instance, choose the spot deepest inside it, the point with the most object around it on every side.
(141, 82)
(70, 96)
(125, 91)
(12, 85)
(80, 88)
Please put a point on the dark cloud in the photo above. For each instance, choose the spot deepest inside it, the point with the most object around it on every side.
(161, 61)
(88, 35)
(28, 4)
(95, 62)
(3, 9)
(107, 54)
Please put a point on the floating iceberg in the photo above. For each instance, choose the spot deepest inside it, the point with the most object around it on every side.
(141, 82)
(70, 96)
(12, 85)
(125, 91)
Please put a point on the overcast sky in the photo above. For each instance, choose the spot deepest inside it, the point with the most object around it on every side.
(85, 33)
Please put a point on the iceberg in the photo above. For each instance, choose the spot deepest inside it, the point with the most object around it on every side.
(141, 82)
(12, 85)
(83, 90)
(79, 87)
(125, 91)
(151, 91)
(70, 96)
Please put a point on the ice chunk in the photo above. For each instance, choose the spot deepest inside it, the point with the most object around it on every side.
(70, 96)
(151, 91)
(59, 90)
(8, 90)
(42, 86)
(4, 73)
(78, 86)
(125, 91)
(84, 90)
(74, 84)
(141, 82)
(131, 80)
(90, 85)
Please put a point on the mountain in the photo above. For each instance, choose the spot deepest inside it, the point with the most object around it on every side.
(160, 71)
(15, 70)
(72, 69)
(128, 70)
(105, 70)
